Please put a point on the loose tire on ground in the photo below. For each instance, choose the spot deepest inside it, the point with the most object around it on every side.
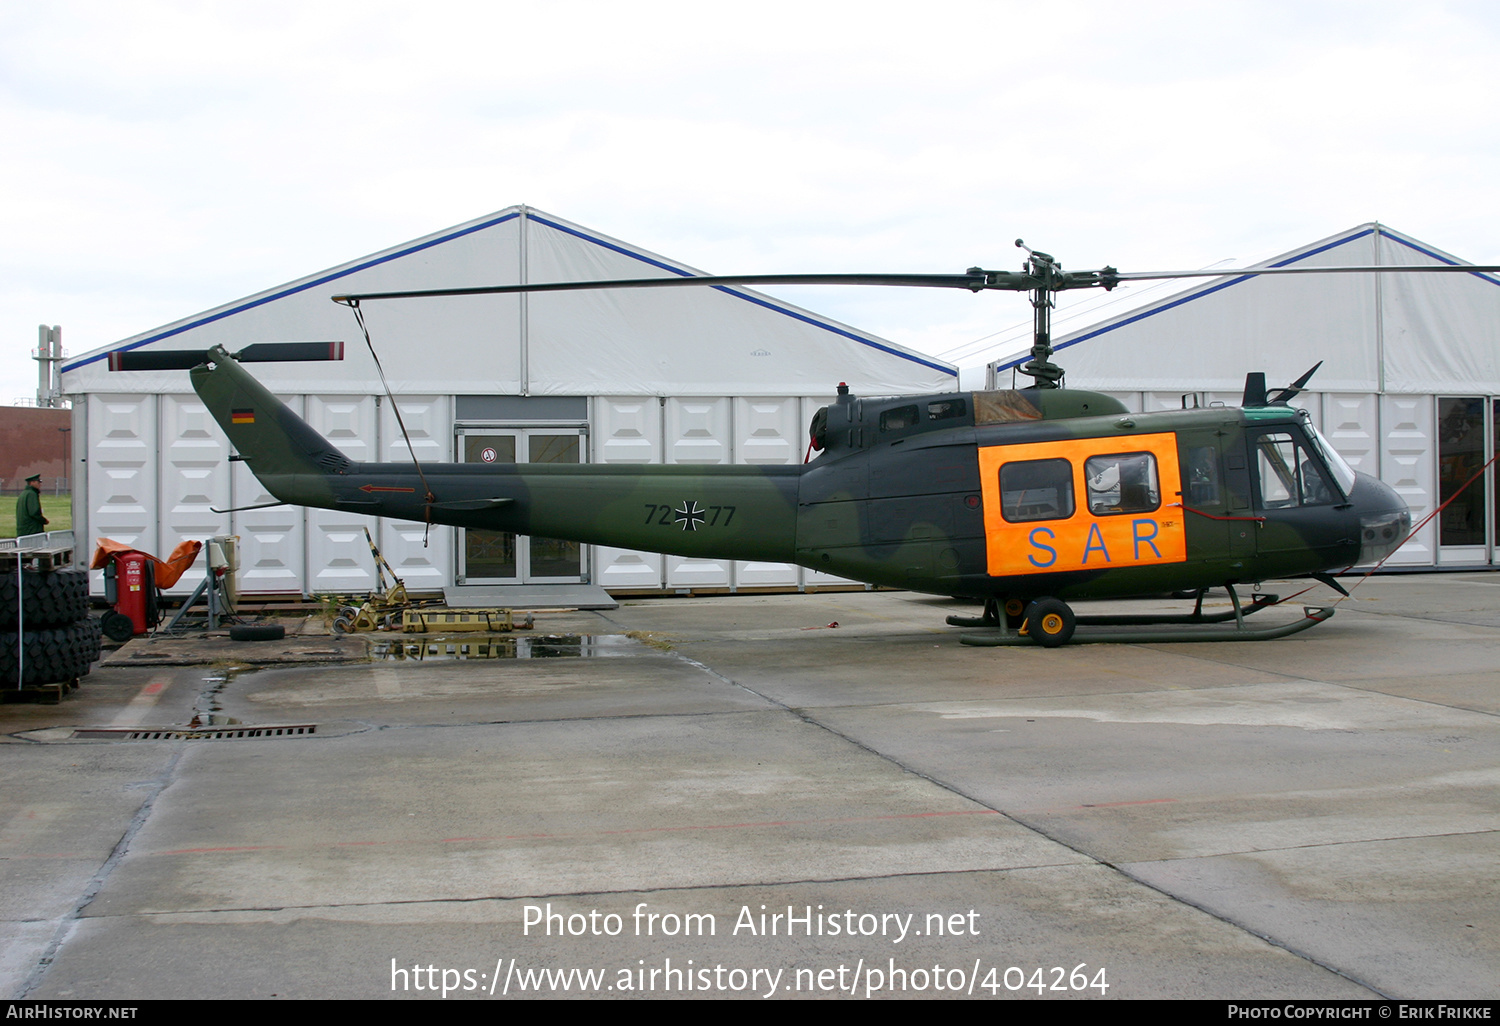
(257, 632)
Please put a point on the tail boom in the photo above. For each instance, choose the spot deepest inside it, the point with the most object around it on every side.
(725, 512)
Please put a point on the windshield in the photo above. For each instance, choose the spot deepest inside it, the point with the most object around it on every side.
(1341, 470)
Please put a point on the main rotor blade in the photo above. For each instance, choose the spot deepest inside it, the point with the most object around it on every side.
(974, 281)
(1367, 269)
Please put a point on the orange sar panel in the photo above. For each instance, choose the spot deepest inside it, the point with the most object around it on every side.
(1076, 538)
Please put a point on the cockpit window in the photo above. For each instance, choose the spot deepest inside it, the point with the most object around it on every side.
(1289, 474)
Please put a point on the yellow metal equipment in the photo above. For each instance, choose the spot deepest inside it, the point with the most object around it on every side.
(445, 620)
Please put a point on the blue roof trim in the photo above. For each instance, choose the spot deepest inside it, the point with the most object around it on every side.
(749, 299)
(1199, 295)
(324, 280)
(1440, 258)
(608, 245)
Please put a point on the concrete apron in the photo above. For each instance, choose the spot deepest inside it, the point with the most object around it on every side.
(741, 799)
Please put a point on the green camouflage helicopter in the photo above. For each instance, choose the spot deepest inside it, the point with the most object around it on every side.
(1026, 499)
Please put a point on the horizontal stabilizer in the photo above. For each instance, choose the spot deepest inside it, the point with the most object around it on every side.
(260, 352)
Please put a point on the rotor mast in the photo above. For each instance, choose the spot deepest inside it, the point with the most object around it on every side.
(1047, 273)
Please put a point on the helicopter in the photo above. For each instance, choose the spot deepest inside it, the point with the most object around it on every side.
(1026, 499)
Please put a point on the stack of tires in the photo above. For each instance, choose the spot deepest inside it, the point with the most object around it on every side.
(53, 638)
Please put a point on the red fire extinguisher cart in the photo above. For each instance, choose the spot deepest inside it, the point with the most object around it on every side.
(131, 580)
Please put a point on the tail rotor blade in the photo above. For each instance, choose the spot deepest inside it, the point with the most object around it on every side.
(290, 352)
(260, 352)
(144, 360)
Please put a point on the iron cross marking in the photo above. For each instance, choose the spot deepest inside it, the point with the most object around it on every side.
(689, 515)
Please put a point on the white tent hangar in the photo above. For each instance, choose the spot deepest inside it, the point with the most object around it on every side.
(1409, 383)
(712, 375)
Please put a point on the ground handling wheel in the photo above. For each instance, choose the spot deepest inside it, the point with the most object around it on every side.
(1049, 622)
(1015, 613)
(117, 626)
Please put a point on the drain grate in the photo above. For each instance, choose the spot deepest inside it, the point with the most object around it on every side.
(190, 733)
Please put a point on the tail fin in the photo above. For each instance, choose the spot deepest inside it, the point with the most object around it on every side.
(291, 459)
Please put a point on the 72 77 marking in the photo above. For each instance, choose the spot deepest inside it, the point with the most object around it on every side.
(665, 517)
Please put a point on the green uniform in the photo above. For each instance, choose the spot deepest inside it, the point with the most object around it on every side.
(29, 519)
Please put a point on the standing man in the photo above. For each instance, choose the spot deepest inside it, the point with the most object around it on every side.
(29, 519)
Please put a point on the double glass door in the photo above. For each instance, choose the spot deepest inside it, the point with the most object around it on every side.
(1466, 441)
(502, 557)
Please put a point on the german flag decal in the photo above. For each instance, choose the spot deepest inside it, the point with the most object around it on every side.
(242, 416)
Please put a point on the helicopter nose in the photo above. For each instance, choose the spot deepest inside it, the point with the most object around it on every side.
(1384, 518)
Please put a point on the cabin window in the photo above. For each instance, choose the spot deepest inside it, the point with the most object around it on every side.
(1289, 476)
(1123, 483)
(1036, 490)
(946, 409)
(1202, 476)
(899, 419)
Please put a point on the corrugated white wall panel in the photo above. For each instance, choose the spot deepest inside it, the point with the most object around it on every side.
(194, 480)
(122, 469)
(429, 423)
(1408, 464)
(1351, 423)
(698, 431)
(768, 431)
(273, 542)
(626, 429)
(338, 558)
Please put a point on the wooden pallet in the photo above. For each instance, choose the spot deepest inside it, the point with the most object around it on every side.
(52, 694)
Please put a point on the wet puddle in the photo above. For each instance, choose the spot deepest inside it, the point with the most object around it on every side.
(207, 712)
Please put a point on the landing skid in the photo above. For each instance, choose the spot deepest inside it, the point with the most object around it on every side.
(1055, 623)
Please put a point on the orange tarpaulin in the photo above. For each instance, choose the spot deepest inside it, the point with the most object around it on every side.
(167, 570)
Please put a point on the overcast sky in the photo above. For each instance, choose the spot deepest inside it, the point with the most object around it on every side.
(162, 158)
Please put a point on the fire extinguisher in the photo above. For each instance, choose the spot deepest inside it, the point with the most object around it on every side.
(130, 586)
